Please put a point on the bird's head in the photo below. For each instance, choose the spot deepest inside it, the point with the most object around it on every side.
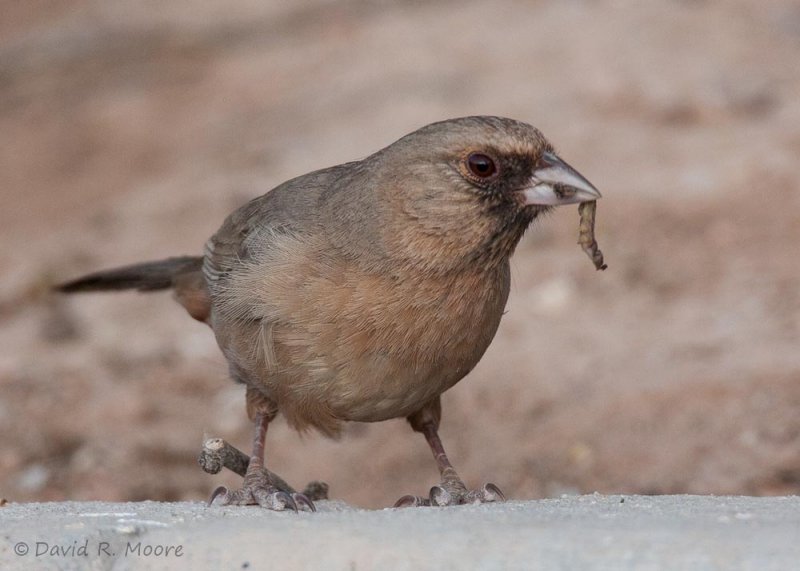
(494, 159)
(466, 189)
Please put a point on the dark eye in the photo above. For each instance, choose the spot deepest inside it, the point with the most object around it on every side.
(480, 165)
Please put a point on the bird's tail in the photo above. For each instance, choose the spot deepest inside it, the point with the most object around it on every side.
(147, 276)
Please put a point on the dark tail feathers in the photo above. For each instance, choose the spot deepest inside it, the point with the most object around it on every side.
(147, 276)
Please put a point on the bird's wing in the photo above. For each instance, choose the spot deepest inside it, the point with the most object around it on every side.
(258, 232)
(231, 246)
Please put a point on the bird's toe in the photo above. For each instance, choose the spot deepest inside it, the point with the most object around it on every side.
(409, 501)
(448, 495)
(488, 493)
(258, 489)
(304, 500)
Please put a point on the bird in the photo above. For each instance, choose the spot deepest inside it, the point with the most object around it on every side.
(361, 292)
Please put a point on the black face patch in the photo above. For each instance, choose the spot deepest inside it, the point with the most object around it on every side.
(512, 173)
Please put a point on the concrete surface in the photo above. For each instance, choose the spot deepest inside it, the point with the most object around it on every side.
(575, 532)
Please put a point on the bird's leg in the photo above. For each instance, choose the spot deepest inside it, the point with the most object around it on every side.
(451, 490)
(259, 487)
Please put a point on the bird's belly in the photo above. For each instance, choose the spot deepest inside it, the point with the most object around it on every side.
(369, 374)
(378, 388)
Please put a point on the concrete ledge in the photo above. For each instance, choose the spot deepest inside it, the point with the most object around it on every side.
(571, 533)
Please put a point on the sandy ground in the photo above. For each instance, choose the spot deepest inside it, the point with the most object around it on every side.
(591, 533)
(129, 129)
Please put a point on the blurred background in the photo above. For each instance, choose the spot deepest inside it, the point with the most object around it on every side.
(130, 129)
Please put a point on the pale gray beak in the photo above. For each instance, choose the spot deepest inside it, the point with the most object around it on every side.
(555, 183)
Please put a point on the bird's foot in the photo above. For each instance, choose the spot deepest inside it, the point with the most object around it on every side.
(258, 488)
(450, 493)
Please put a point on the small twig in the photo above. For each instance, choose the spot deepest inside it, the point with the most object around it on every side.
(217, 454)
(586, 234)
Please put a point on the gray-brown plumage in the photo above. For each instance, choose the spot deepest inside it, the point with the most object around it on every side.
(363, 291)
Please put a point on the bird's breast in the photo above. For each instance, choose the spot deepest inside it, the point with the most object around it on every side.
(373, 347)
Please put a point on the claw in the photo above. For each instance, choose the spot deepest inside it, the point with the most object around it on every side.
(440, 496)
(220, 491)
(274, 500)
(303, 500)
(487, 494)
(491, 493)
(411, 502)
(288, 501)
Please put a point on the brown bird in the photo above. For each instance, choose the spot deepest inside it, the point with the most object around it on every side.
(363, 291)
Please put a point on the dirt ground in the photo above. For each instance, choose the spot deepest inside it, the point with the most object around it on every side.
(129, 129)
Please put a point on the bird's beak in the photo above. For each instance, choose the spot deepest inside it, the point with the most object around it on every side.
(555, 183)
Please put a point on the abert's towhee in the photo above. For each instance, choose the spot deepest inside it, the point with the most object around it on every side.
(363, 291)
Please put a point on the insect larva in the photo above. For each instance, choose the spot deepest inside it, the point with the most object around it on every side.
(586, 234)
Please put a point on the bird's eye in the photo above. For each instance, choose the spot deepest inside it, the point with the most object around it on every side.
(480, 165)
